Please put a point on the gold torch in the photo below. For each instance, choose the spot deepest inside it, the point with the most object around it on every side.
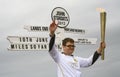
(102, 25)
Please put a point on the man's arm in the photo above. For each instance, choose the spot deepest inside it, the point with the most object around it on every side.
(52, 28)
(85, 62)
(98, 52)
(52, 48)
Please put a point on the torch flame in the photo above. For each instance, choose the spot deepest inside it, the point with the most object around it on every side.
(100, 9)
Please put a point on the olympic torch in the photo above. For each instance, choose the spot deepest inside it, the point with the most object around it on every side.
(102, 25)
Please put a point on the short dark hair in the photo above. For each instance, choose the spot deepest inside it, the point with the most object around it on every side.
(67, 40)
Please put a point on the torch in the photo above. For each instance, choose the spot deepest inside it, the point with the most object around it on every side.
(102, 27)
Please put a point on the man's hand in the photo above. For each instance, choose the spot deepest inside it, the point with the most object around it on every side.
(52, 28)
(102, 46)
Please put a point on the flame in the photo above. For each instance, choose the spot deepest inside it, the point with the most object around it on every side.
(100, 9)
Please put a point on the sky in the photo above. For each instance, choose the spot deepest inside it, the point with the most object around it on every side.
(15, 14)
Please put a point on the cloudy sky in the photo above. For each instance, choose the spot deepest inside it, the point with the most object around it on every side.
(14, 14)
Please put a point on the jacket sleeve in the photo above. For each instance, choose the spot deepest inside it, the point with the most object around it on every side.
(95, 57)
(53, 49)
(51, 43)
(85, 62)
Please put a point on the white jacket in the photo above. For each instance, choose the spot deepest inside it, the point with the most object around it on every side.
(69, 66)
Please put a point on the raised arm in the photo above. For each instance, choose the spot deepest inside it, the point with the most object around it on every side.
(52, 28)
(52, 48)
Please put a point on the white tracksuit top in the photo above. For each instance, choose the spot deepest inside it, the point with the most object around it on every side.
(69, 66)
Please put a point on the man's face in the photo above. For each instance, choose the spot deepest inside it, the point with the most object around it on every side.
(69, 48)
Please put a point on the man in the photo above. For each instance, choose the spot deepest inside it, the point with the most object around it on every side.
(69, 65)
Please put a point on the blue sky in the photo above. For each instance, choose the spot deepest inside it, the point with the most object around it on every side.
(14, 14)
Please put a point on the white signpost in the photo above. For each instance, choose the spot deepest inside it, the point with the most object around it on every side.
(46, 29)
(36, 28)
(28, 46)
(42, 43)
(22, 39)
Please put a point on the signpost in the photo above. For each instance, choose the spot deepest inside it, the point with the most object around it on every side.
(61, 15)
(31, 28)
(28, 46)
(41, 43)
(36, 28)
